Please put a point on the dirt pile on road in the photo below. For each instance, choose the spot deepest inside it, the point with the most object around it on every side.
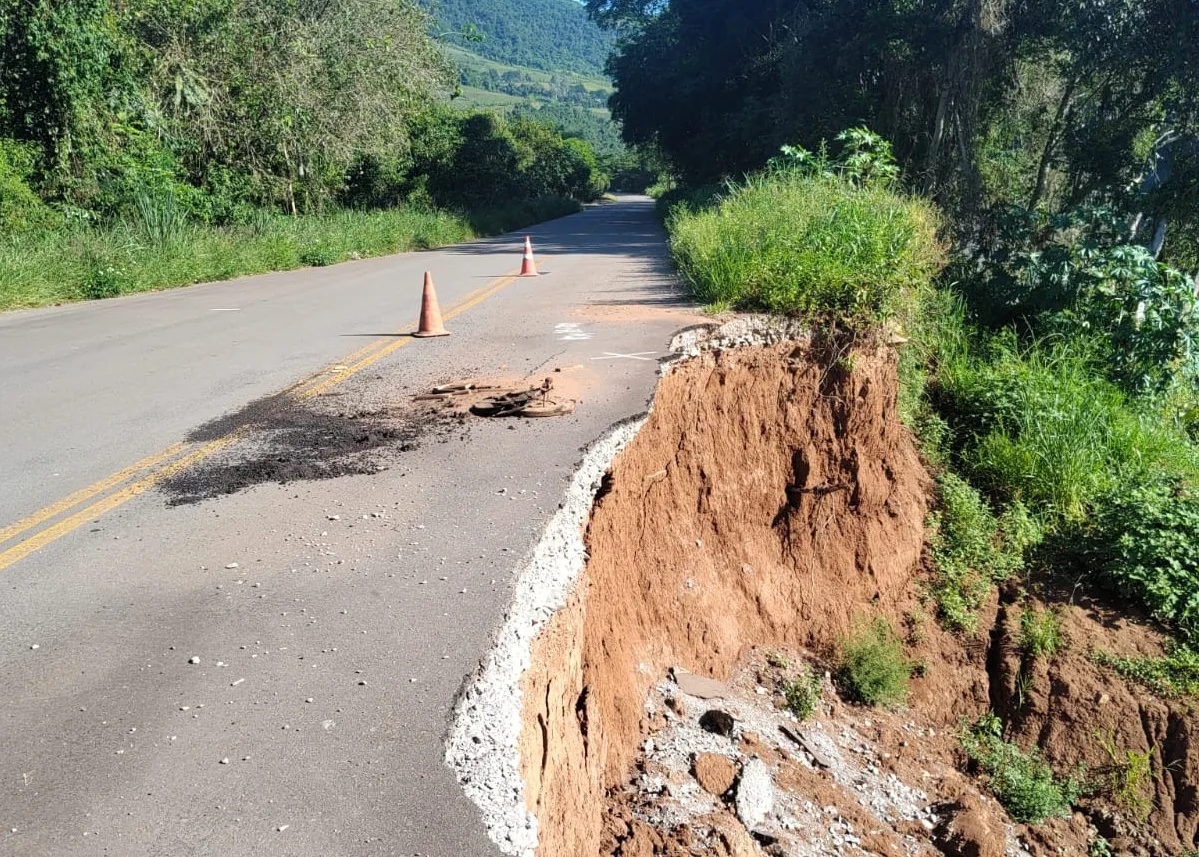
(772, 497)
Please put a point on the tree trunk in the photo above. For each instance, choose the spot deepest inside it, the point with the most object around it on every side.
(1159, 238)
(1136, 226)
(1055, 131)
(934, 146)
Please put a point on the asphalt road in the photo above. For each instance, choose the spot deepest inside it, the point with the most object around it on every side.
(334, 621)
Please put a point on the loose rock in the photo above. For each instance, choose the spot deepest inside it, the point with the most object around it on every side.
(717, 722)
(755, 793)
(714, 773)
(700, 686)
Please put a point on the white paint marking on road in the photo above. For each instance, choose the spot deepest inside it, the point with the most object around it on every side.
(226, 309)
(571, 332)
(640, 355)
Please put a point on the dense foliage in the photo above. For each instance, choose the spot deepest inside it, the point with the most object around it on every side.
(219, 104)
(546, 34)
(989, 103)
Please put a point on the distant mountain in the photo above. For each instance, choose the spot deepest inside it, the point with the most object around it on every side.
(551, 35)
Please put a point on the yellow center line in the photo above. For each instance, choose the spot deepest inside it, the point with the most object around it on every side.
(20, 551)
(301, 391)
(473, 299)
(72, 500)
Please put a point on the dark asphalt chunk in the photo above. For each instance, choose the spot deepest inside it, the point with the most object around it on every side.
(288, 440)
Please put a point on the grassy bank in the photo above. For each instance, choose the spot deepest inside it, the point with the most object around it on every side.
(803, 244)
(159, 249)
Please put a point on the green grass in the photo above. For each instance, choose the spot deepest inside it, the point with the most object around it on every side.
(1036, 423)
(1023, 782)
(872, 668)
(807, 245)
(156, 251)
(1040, 633)
(1173, 675)
(972, 550)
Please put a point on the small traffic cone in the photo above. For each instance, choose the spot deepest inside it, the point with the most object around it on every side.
(430, 312)
(528, 268)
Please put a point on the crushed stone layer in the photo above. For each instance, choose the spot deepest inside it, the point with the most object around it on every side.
(482, 746)
(822, 787)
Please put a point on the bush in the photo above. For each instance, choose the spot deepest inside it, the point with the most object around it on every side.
(972, 549)
(21, 210)
(803, 693)
(1073, 272)
(808, 245)
(1145, 546)
(1023, 782)
(872, 668)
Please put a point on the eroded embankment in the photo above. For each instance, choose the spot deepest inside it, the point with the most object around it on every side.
(772, 496)
(771, 499)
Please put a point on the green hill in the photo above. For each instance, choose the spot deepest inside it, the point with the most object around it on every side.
(551, 35)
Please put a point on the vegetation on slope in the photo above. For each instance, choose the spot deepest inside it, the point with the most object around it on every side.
(1054, 365)
(577, 90)
(552, 35)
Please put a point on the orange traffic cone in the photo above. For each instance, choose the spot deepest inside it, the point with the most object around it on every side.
(430, 312)
(528, 268)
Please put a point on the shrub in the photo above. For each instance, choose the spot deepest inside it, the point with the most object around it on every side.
(972, 550)
(1145, 546)
(319, 256)
(808, 245)
(1023, 782)
(872, 668)
(1072, 271)
(803, 693)
(1040, 633)
(1127, 778)
(21, 210)
(105, 281)
(1175, 674)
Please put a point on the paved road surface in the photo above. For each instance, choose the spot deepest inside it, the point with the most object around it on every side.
(329, 657)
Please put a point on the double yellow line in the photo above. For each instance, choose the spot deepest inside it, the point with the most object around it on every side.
(143, 475)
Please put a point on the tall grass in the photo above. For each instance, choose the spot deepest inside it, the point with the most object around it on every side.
(807, 245)
(157, 248)
(1037, 423)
